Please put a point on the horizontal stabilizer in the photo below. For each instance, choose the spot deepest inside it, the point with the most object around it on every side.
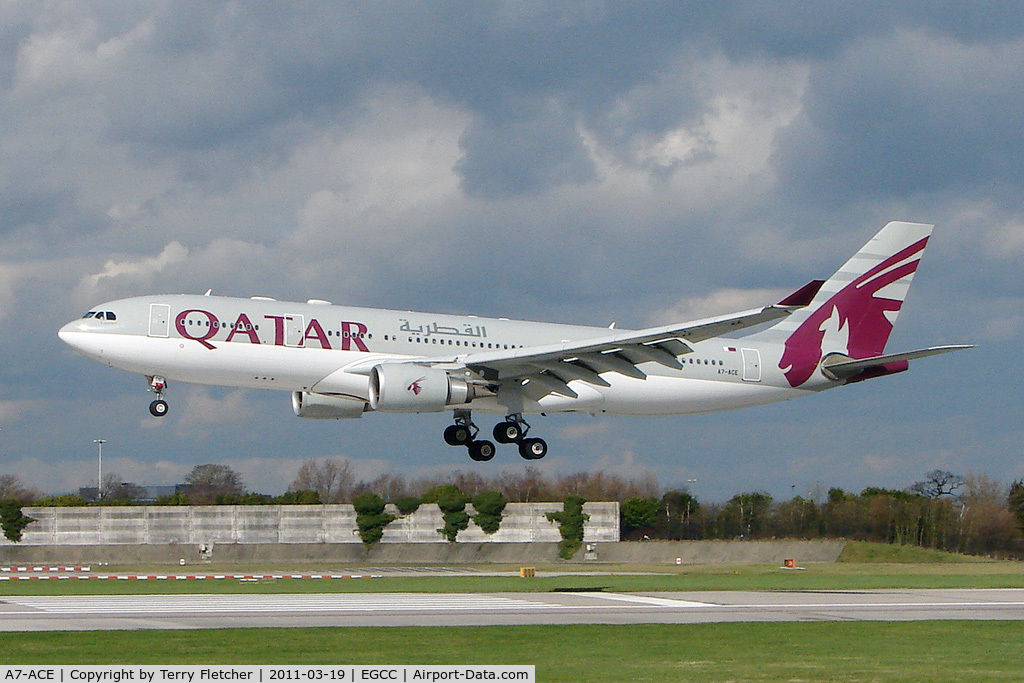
(834, 367)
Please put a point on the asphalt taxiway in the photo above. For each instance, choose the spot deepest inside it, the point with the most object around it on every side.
(113, 612)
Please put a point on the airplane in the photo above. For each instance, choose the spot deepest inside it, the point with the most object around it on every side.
(341, 362)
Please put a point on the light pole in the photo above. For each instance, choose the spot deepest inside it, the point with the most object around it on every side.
(689, 499)
(99, 474)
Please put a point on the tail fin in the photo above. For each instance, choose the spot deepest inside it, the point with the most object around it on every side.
(854, 311)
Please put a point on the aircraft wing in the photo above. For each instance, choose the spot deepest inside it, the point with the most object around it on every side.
(549, 368)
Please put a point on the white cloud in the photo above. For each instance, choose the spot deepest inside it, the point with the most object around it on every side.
(719, 302)
(173, 253)
(879, 465)
(201, 409)
(586, 430)
(11, 411)
(1006, 241)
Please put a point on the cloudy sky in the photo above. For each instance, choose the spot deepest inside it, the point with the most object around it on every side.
(582, 162)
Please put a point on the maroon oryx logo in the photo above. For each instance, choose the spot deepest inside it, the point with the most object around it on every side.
(416, 387)
(860, 312)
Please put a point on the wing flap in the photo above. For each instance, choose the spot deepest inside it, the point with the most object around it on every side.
(658, 344)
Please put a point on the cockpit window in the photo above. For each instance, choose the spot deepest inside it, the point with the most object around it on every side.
(101, 316)
(89, 314)
(111, 316)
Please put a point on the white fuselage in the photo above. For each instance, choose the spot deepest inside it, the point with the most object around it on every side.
(325, 349)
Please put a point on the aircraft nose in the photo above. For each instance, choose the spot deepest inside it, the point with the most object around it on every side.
(73, 334)
(65, 332)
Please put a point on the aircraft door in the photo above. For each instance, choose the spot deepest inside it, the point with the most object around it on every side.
(159, 320)
(294, 328)
(751, 365)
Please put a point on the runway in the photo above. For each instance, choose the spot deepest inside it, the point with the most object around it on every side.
(113, 612)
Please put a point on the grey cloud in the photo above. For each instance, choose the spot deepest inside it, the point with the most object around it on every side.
(523, 155)
(908, 113)
(328, 150)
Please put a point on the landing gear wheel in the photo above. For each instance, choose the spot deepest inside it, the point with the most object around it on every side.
(458, 435)
(158, 408)
(533, 449)
(507, 432)
(481, 451)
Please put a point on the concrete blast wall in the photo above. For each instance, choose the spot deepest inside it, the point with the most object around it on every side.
(289, 524)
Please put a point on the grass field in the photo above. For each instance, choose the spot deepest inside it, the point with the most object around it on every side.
(828, 651)
(838, 576)
(916, 651)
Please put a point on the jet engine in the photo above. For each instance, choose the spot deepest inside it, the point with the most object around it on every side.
(326, 407)
(409, 388)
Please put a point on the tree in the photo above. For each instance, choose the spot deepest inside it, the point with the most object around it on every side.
(746, 514)
(490, 508)
(571, 522)
(11, 487)
(639, 515)
(407, 505)
(209, 484)
(988, 525)
(938, 483)
(1015, 501)
(798, 517)
(681, 510)
(528, 487)
(370, 517)
(302, 497)
(331, 478)
(12, 520)
(117, 492)
(452, 503)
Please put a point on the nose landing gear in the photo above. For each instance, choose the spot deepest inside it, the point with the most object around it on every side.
(159, 407)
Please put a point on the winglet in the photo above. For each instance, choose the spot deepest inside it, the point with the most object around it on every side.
(803, 296)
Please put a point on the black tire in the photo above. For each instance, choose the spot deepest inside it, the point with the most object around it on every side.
(457, 435)
(481, 451)
(507, 432)
(533, 449)
(158, 408)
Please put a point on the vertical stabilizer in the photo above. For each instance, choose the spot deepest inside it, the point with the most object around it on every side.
(854, 311)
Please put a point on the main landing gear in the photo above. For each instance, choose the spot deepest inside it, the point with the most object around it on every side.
(512, 430)
(463, 433)
(157, 384)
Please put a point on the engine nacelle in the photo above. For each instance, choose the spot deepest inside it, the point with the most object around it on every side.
(326, 407)
(408, 388)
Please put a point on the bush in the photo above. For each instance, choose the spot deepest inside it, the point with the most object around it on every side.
(68, 500)
(407, 505)
(570, 524)
(244, 499)
(452, 502)
(304, 497)
(370, 517)
(12, 519)
(490, 506)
